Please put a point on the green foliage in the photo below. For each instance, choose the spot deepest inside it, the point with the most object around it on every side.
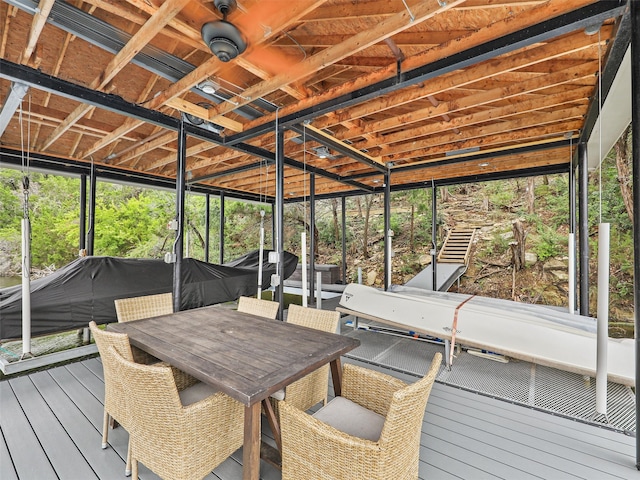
(549, 243)
(53, 212)
(325, 231)
(496, 246)
(129, 220)
(500, 197)
(10, 199)
(395, 223)
(132, 222)
(554, 198)
(605, 203)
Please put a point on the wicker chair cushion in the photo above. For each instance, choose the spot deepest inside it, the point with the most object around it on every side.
(195, 393)
(351, 418)
(279, 395)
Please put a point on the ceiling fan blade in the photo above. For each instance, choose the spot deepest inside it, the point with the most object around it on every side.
(196, 14)
(270, 59)
(261, 20)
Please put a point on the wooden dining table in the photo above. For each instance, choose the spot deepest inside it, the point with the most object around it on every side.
(245, 356)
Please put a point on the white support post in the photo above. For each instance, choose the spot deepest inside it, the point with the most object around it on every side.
(389, 257)
(26, 288)
(305, 284)
(261, 254)
(319, 290)
(572, 273)
(603, 319)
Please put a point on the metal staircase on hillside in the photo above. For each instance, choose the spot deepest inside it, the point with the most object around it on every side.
(452, 261)
(457, 246)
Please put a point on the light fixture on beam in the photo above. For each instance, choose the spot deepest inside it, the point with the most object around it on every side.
(592, 29)
(322, 152)
(209, 86)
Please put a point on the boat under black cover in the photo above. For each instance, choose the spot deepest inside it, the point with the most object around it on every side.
(85, 289)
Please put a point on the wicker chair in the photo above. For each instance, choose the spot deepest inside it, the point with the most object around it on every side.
(174, 437)
(258, 306)
(137, 308)
(313, 388)
(372, 432)
(147, 306)
(114, 394)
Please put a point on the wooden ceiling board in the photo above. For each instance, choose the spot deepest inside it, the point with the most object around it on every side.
(302, 56)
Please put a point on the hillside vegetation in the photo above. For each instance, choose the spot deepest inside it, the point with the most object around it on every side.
(132, 222)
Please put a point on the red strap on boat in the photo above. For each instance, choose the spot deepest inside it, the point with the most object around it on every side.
(454, 328)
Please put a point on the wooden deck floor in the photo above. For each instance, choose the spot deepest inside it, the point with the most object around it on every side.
(51, 421)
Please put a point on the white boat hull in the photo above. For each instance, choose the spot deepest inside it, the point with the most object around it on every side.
(532, 333)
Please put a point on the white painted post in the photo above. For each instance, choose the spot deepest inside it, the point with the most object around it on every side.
(305, 285)
(572, 273)
(389, 257)
(26, 287)
(603, 318)
(261, 254)
(319, 290)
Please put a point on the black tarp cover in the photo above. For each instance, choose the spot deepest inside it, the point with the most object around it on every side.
(85, 289)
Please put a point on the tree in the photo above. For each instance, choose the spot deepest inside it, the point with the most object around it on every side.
(368, 200)
(421, 199)
(336, 230)
(623, 160)
(531, 195)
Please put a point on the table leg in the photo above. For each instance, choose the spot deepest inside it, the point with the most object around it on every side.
(251, 449)
(273, 422)
(336, 376)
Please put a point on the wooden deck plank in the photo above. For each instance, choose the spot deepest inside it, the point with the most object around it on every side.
(517, 435)
(28, 458)
(568, 452)
(465, 435)
(57, 389)
(93, 408)
(454, 463)
(63, 454)
(436, 468)
(465, 442)
(7, 470)
(550, 429)
(537, 417)
(95, 365)
(88, 379)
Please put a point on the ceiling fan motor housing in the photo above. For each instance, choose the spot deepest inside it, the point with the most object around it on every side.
(223, 38)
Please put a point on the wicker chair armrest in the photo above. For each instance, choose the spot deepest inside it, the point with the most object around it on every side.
(183, 380)
(212, 407)
(309, 446)
(373, 390)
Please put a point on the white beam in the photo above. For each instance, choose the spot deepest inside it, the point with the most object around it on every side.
(11, 103)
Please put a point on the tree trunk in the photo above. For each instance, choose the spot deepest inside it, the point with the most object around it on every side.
(368, 200)
(531, 195)
(518, 246)
(622, 148)
(336, 229)
(411, 238)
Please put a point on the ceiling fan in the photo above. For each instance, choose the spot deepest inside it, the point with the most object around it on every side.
(223, 38)
(202, 123)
